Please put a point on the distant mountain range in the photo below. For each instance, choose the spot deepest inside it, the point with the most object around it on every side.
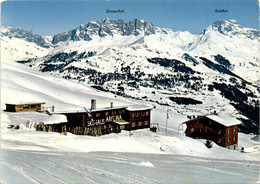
(106, 27)
(217, 69)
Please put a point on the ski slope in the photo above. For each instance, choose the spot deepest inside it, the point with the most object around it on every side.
(115, 167)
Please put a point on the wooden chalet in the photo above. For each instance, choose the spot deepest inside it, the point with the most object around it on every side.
(28, 106)
(223, 130)
(105, 120)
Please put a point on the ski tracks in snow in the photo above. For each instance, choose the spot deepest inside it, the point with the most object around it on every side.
(121, 168)
(39, 167)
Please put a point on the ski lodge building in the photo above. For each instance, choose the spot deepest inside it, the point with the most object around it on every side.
(104, 120)
(223, 130)
(28, 106)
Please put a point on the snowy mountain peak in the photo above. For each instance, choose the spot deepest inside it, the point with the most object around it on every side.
(225, 22)
(232, 28)
(19, 33)
(233, 21)
(224, 26)
(106, 19)
(107, 27)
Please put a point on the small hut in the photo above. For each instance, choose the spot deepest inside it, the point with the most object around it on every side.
(27, 106)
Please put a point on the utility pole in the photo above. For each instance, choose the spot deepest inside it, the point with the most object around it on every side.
(167, 120)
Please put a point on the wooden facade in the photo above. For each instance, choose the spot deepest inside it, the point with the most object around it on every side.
(31, 106)
(104, 121)
(138, 119)
(206, 127)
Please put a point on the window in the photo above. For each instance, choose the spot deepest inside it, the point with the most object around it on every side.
(26, 106)
(219, 140)
(228, 131)
(106, 113)
(234, 138)
(133, 124)
(133, 115)
(140, 123)
(147, 113)
(113, 112)
(219, 131)
(228, 140)
(146, 123)
(137, 114)
(97, 115)
(234, 130)
(191, 129)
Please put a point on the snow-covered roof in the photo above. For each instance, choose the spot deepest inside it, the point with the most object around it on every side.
(122, 122)
(96, 110)
(220, 118)
(130, 108)
(138, 107)
(23, 117)
(224, 120)
(24, 103)
(109, 108)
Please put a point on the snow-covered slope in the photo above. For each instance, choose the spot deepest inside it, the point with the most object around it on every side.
(20, 83)
(238, 44)
(19, 49)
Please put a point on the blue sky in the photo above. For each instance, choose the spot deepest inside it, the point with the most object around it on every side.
(52, 17)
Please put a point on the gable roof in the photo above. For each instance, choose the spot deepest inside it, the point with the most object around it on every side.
(221, 119)
(224, 120)
(139, 107)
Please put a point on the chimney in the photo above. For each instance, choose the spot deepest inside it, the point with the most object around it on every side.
(111, 105)
(93, 104)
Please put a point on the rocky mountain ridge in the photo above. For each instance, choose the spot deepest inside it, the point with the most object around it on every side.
(105, 27)
(28, 36)
(233, 28)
